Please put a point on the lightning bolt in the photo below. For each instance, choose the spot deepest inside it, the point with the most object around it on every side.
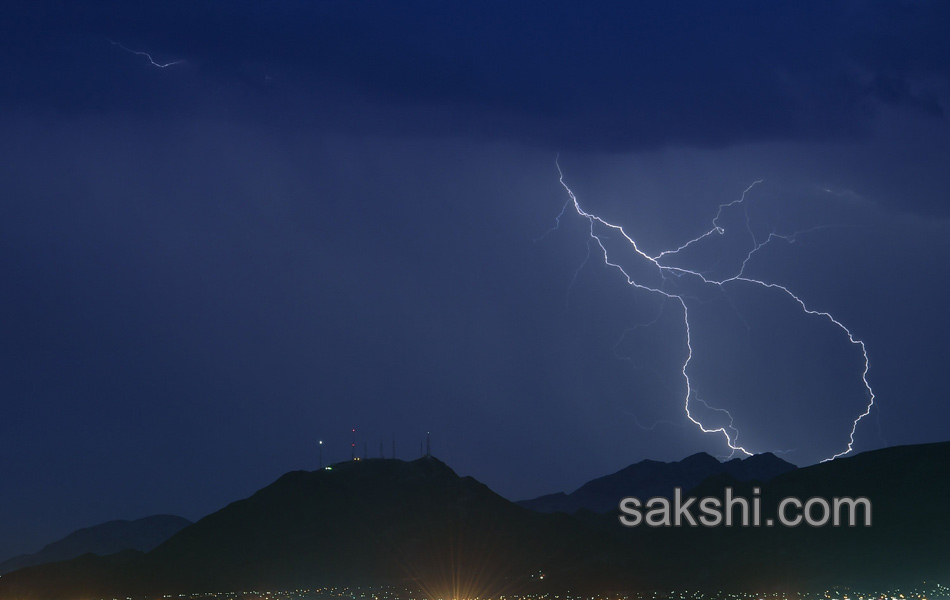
(659, 264)
(148, 56)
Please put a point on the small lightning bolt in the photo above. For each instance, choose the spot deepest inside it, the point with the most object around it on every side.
(659, 265)
(654, 425)
(148, 56)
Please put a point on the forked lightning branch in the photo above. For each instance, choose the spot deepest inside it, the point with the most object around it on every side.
(659, 264)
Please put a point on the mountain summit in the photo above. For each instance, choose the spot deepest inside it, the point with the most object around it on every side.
(649, 478)
(419, 526)
(369, 522)
(108, 538)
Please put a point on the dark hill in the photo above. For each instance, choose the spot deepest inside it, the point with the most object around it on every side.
(650, 478)
(366, 522)
(418, 525)
(906, 544)
(108, 538)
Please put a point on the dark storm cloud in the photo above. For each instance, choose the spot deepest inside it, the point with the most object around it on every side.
(189, 306)
(615, 75)
(325, 217)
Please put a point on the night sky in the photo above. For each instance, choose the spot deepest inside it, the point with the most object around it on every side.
(334, 215)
